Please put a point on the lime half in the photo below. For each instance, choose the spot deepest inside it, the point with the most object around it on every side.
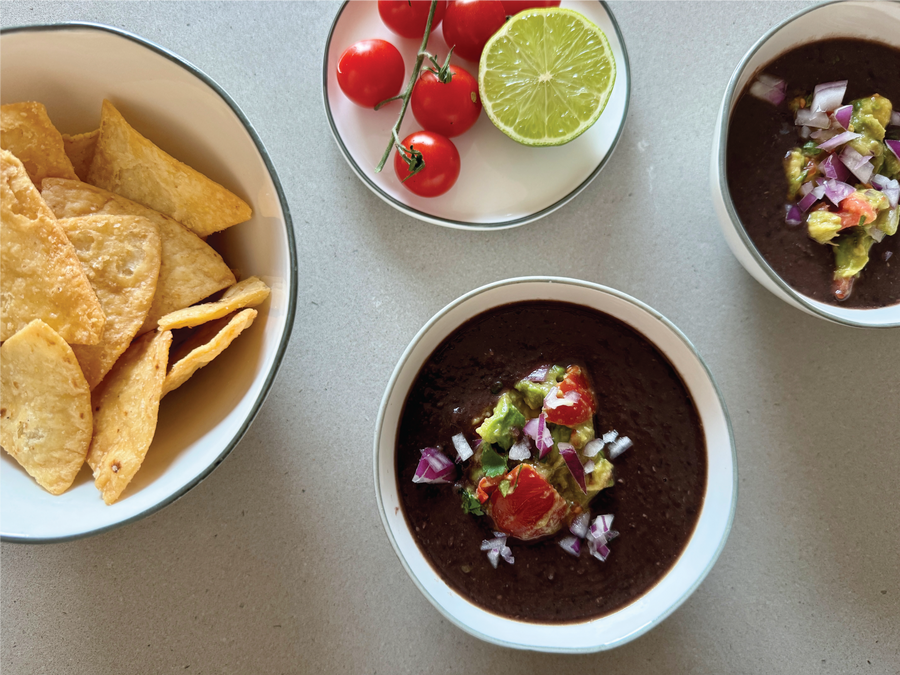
(546, 76)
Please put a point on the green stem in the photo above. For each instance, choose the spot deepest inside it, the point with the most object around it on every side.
(405, 96)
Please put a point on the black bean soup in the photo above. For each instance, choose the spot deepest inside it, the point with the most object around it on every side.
(760, 135)
(659, 482)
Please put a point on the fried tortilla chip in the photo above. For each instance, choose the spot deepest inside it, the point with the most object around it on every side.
(27, 132)
(126, 405)
(120, 255)
(205, 345)
(190, 269)
(80, 151)
(40, 274)
(45, 406)
(129, 165)
(248, 293)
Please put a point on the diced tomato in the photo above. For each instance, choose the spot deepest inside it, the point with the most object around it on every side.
(583, 407)
(486, 486)
(855, 207)
(532, 508)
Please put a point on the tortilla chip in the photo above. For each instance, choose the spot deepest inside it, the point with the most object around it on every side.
(80, 151)
(190, 270)
(248, 293)
(129, 165)
(40, 275)
(120, 255)
(27, 132)
(126, 406)
(205, 345)
(45, 414)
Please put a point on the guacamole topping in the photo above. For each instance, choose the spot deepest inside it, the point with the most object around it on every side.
(535, 465)
(843, 179)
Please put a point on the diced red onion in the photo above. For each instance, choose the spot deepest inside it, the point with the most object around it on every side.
(828, 96)
(494, 557)
(890, 188)
(806, 117)
(807, 187)
(893, 146)
(619, 447)
(833, 168)
(859, 165)
(837, 191)
(589, 466)
(497, 548)
(536, 428)
(598, 535)
(822, 135)
(895, 119)
(593, 448)
(843, 114)
(806, 203)
(580, 523)
(601, 525)
(792, 214)
(610, 436)
(463, 449)
(497, 542)
(876, 234)
(838, 140)
(539, 375)
(567, 450)
(768, 88)
(805, 133)
(570, 545)
(434, 467)
(506, 554)
(521, 450)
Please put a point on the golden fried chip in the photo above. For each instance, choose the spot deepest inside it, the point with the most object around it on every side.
(40, 275)
(129, 165)
(27, 132)
(120, 255)
(190, 269)
(247, 293)
(205, 345)
(45, 406)
(126, 405)
(80, 151)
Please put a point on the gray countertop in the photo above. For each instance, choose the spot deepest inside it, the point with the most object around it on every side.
(260, 569)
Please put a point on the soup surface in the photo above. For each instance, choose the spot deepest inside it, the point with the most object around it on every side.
(659, 482)
(759, 136)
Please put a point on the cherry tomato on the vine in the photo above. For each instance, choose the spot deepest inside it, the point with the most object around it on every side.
(408, 19)
(513, 7)
(469, 24)
(441, 164)
(448, 108)
(371, 71)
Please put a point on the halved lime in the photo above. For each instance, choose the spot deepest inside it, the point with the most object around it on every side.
(545, 77)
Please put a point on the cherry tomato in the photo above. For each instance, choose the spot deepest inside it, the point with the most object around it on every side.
(409, 19)
(513, 7)
(531, 509)
(448, 108)
(585, 403)
(469, 24)
(370, 71)
(441, 164)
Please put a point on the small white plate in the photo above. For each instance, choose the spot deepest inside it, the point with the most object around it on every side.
(502, 183)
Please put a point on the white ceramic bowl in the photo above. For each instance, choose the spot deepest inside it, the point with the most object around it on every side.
(502, 184)
(71, 68)
(705, 543)
(867, 20)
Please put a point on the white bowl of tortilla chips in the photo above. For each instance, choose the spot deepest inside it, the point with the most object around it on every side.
(117, 291)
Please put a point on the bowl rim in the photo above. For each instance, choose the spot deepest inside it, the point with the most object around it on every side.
(723, 126)
(462, 224)
(290, 309)
(379, 424)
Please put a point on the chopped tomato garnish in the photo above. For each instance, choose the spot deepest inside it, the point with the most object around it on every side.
(486, 486)
(856, 210)
(532, 507)
(583, 405)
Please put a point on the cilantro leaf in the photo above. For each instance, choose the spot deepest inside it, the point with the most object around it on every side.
(494, 463)
(470, 503)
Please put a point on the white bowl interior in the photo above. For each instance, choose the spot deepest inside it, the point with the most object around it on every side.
(715, 517)
(524, 183)
(878, 21)
(71, 71)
